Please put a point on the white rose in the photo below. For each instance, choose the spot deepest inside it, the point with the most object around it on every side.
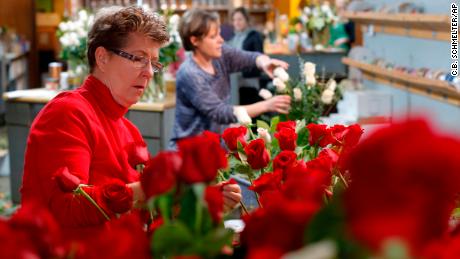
(63, 26)
(280, 85)
(306, 10)
(265, 94)
(174, 20)
(82, 15)
(64, 40)
(325, 8)
(310, 79)
(263, 134)
(309, 68)
(327, 96)
(81, 33)
(331, 85)
(297, 94)
(280, 73)
(73, 39)
(242, 115)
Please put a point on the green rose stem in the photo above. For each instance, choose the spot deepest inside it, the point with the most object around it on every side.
(257, 195)
(140, 168)
(337, 172)
(79, 190)
(199, 216)
(250, 131)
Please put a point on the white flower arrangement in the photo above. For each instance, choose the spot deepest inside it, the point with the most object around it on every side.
(72, 36)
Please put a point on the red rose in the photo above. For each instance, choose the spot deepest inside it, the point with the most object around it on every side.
(284, 159)
(346, 136)
(215, 200)
(117, 196)
(287, 139)
(137, 153)
(264, 253)
(280, 225)
(202, 156)
(33, 231)
(232, 135)
(267, 182)
(396, 173)
(160, 173)
(66, 181)
(257, 155)
(124, 238)
(286, 125)
(319, 135)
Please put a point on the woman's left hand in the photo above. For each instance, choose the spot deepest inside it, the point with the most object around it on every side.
(232, 196)
(268, 64)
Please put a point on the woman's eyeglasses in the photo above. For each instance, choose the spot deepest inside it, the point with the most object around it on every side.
(139, 62)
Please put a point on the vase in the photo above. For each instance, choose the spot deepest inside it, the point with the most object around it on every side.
(156, 88)
(320, 37)
(77, 71)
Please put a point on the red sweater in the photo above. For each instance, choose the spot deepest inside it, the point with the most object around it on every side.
(85, 131)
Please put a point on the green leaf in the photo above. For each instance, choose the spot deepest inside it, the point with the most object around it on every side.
(302, 137)
(274, 121)
(262, 124)
(165, 203)
(171, 239)
(210, 246)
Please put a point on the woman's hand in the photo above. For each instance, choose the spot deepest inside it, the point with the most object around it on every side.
(279, 104)
(232, 195)
(268, 64)
(138, 193)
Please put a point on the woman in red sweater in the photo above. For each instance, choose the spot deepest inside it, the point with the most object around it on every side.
(82, 137)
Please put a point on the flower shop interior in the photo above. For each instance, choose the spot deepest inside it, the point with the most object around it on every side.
(353, 170)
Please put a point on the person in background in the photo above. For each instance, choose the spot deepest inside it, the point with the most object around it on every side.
(341, 31)
(248, 39)
(203, 80)
(82, 136)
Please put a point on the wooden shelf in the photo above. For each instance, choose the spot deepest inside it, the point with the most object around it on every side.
(428, 26)
(435, 89)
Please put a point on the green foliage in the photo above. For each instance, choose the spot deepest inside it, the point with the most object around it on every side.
(188, 228)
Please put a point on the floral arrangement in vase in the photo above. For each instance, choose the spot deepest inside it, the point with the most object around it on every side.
(171, 56)
(72, 36)
(311, 98)
(317, 19)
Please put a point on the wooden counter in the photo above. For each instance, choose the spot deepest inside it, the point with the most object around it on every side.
(154, 121)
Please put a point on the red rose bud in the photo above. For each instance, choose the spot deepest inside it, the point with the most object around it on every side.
(215, 200)
(137, 153)
(66, 181)
(284, 159)
(257, 155)
(285, 125)
(117, 196)
(231, 137)
(287, 139)
(160, 173)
